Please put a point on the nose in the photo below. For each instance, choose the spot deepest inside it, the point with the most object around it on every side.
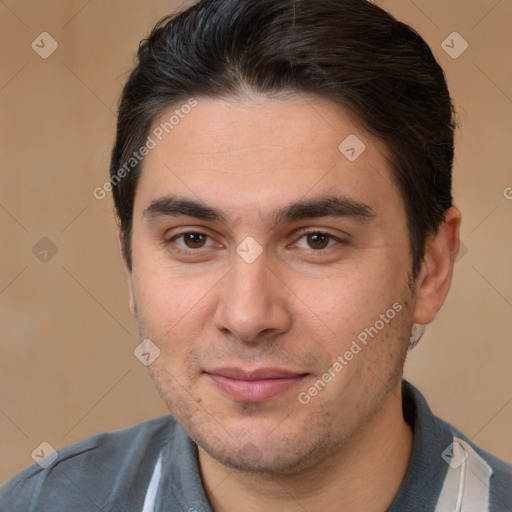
(253, 303)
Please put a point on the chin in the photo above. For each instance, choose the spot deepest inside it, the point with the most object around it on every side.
(284, 455)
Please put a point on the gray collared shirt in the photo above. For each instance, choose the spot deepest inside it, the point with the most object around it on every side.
(153, 467)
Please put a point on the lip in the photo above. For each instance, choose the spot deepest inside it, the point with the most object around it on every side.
(255, 386)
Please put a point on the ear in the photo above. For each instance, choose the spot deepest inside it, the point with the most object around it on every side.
(436, 272)
(127, 271)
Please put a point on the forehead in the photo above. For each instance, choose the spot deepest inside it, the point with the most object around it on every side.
(259, 152)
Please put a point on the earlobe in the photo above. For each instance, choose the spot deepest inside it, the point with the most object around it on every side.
(436, 271)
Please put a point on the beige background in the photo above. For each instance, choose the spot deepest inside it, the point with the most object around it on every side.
(67, 368)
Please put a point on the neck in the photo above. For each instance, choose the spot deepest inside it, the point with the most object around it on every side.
(365, 473)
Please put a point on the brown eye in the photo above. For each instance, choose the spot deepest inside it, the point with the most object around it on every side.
(317, 240)
(194, 240)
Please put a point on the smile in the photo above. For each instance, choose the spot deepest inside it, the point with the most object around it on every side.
(256, 386)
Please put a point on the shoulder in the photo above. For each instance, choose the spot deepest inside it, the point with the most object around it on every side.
(499, 471)
(459, 458)
(98, 473)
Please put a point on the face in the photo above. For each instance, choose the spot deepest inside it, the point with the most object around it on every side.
(272, 270)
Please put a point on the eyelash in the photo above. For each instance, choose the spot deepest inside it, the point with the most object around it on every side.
(169, 241)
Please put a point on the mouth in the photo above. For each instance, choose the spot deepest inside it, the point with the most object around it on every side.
(254, 386)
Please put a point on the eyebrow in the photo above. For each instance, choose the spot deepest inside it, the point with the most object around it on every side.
(331, 206)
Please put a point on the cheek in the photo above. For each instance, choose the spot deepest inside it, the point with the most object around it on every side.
(347, 302)
(171, 310)
(166, 290)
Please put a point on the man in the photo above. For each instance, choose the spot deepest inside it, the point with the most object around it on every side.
(282, 179)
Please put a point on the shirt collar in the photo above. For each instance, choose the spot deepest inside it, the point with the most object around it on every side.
(180, 486)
